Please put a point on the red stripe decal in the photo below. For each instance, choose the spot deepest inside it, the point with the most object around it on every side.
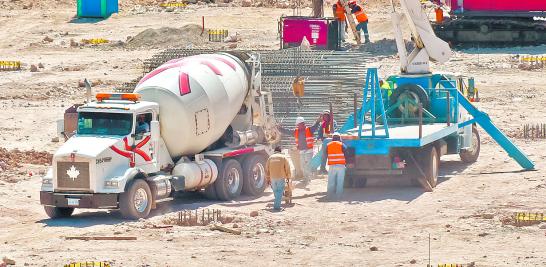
(143, 142)
(212, 67)
(239, 152)
(163, 68)
(225, 61)
(184, 83)
(142, 154)
(121, 152)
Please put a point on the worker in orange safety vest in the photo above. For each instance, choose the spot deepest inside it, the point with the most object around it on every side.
(335, 152)
(339, 14)
(305, 141)
(362, 19)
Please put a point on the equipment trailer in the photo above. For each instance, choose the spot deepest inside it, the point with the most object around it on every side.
(427, 116)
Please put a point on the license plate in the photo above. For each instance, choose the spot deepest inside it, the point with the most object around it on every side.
(73, 201)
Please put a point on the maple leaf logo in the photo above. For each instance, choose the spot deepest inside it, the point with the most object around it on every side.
(73, 173)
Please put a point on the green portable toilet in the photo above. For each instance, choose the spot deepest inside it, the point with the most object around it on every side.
(97, 8)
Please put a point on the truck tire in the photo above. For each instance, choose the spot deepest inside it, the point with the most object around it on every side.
(57, 212)
(136, 201)
(210, 192)
(430, 164)
(229, 183)
(254, 174)
(471, 155)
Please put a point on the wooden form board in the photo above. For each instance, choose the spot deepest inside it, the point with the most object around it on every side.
(351, 21)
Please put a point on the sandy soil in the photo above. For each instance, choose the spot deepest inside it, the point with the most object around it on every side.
(386, 224)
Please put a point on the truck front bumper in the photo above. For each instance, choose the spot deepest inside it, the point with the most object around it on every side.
(73, 200)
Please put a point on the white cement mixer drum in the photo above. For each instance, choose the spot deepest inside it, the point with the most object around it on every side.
(198, 98)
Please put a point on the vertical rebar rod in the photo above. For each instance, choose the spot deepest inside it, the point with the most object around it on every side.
(448, 117)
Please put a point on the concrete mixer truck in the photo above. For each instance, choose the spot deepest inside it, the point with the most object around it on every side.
(200, 123)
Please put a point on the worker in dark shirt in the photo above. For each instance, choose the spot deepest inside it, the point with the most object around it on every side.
(305, 141)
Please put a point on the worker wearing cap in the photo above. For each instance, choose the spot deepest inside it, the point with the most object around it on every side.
(304, 143)
(277, 174)
(362, 19)
(385, 86)
(326, 129)
(339, 14)
(335, 152)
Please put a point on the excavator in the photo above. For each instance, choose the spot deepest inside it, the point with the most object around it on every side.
(491, 22)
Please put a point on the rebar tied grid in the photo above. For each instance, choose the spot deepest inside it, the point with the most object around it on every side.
(331, 77)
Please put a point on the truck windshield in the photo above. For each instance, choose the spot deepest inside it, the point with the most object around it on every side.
(98, 123)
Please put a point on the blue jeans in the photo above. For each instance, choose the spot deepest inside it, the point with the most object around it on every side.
(336, 177)
(278, 189)
(364, 27)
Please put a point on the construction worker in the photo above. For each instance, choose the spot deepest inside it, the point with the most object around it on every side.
(339, 14)
(362, 19)
(335, 152)
(304, 144)
(277, 174)
(326, 129)
(385, 86)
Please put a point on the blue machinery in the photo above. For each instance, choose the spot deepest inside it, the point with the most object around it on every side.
(368, 137)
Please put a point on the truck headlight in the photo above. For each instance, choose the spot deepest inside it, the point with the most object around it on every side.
(111, 184)
(47, 181)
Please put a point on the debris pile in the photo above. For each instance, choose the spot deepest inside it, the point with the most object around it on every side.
(188, 35)
(12, 159)
(201, 217)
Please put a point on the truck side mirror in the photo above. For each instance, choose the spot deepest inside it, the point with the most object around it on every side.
(154, 127)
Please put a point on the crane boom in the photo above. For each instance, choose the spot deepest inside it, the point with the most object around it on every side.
(428, 47)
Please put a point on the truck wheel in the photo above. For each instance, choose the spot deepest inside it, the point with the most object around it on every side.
(431, 165)
(471, 155)
(210, 192)
(136, 201)
(254, 174)
(56, 212)
(229, 183)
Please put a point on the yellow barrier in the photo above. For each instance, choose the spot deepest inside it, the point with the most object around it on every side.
(10, 65)
(88, 264)
(175, 4)
(534, 59)
(217, 35)
(530, 217)
(95, 41)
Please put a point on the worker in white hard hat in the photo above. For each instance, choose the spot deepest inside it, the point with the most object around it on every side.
(304, 143)
(335, 152)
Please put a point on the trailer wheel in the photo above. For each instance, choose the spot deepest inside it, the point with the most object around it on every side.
(136, 201)
(229, 183)
(57, 212)
(471, 155)
(254, 174)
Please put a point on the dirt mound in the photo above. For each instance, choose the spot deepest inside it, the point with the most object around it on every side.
(187, 36)
(10, 160)
(384, 47)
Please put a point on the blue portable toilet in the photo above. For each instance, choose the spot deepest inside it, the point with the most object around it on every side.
(97, 8)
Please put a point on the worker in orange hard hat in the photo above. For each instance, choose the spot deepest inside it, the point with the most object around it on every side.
(339, 14)
(362, 19)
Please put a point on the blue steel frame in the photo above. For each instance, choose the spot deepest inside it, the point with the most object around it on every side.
(376, 99)
(381, 144)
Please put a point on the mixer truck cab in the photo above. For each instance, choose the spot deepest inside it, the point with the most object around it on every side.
(200, 124)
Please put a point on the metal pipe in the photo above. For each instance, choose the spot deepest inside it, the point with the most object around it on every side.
(355, 109)
(420, 120)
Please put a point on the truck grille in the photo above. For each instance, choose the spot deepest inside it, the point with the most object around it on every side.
(73, 175)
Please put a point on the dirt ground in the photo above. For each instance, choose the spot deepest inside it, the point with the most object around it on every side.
(465, 220)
